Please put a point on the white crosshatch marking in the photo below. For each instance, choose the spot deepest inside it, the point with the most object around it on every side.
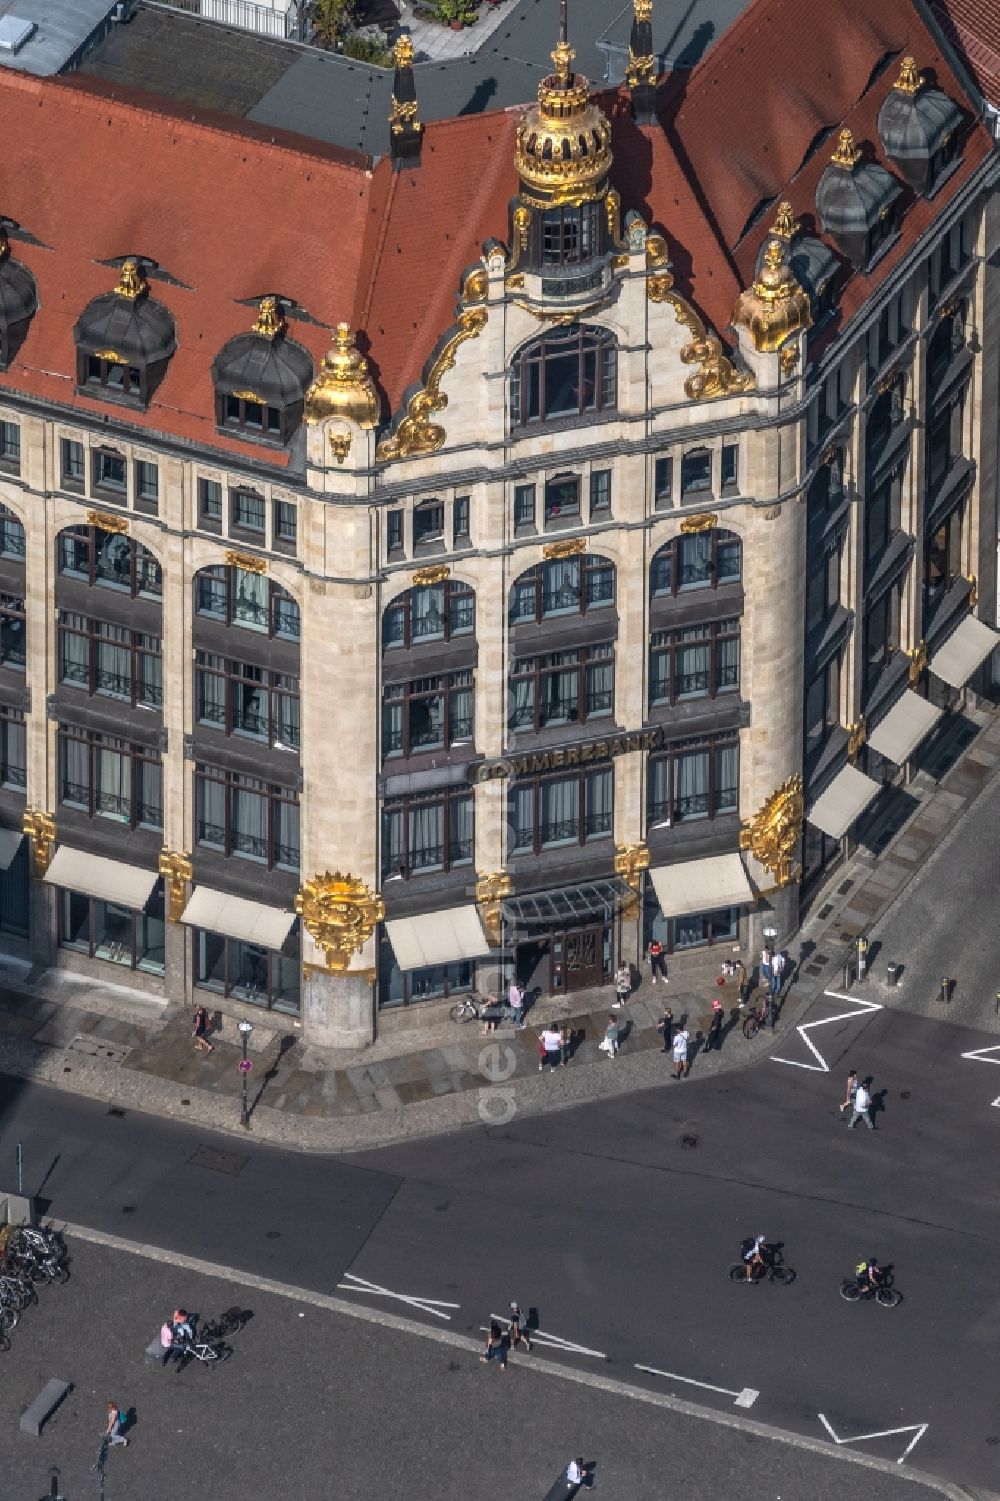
(352, 1284)
(917, 1429)
(982, 1055)
(861, 1008)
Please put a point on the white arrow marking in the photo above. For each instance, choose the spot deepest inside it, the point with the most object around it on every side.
(821, 1066)
(982, 1056)
(353, 1284)
(917, 1429)
(745, 1398)
(542, 1337)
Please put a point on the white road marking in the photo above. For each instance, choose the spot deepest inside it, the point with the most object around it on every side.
(917, 1429)
(745, 1398)
(557, 1343)
(863, 1008)
(981, 1055)
(352, 1284)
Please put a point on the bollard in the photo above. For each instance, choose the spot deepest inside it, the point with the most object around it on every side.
(848, 974)
(998, 1003)
(892, 973)
(945, 990)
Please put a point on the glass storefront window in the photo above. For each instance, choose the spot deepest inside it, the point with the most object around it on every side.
(118, 935)
(249, 972)
(694, 930)
(405, 987)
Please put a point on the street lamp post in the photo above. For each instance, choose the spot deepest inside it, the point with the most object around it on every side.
(244, 1028)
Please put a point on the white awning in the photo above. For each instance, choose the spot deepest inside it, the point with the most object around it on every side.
(847, 796)
(10, 843)
(964, 650)
(237, 918)
(901, 731)
(437, 937)
(108, 880)
(701, 885)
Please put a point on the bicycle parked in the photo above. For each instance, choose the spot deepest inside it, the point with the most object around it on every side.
(471, 1007)
(757, 1016)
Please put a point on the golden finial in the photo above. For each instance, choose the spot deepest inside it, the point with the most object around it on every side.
(403, 51)
(776, 308)
(270, 322)
(846, 154)
(343, 387)
(643, 10)
(909, 80)
(562, 56)
(131, 283)
(785, 225)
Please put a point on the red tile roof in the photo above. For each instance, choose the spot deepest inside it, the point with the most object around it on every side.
(973, 28)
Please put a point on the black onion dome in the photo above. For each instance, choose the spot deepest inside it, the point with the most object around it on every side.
(128, 322)
(18, 294)
(264, 365)
(852, 196)
(914, 123)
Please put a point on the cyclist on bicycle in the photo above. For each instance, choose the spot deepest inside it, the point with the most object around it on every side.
(754, 1253)
(869, 1275)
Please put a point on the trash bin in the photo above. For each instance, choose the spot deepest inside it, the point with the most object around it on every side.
(893, 972)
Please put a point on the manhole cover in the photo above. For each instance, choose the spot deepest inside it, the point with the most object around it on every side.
(905, 1095)
(128, 1209)
(274, 1235)
(219, 1162)
(185, 1102)
(993, 1439)
(689, 1141)
(117, 1113)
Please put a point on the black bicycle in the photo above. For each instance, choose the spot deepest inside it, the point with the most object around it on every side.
(772, 1269)
(230, 1323)
(757, 1017)
(885, 1295)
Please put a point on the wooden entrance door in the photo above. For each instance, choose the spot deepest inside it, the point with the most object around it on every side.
(578, 958)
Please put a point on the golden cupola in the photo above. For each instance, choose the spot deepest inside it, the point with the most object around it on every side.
(776, 308)
(343, 387)
(563, 152)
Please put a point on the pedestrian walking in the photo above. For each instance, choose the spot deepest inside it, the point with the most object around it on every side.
(657, 960)
(862, 1106)
(777, 974)
(623, 985)
(609, 1043)
(518, 1333)
(851, 1091)
(496, 1345)
(565, 1043)
(666, 1027)
(575, 1473)
(200, 1033)
(742, 982)
(680, 1052)
(114, 1432)
(713, 1037)
(515, 1003)
(766, 968)
(551, 1047)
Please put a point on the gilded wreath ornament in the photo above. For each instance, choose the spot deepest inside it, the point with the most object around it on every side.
(339, 912)
(773, 833)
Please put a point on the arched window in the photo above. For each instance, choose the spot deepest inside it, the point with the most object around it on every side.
(566, 372)
(111, 560)
(826, 488)
(239, 597)
(11, 536)
(887, 412)
(563, 586)
(948, 342)
(429, 612)
(701, 560)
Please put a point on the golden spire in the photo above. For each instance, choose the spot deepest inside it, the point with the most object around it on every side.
(270, 323)
(563, 149)
(343, 387)
(909, 80)
(846, 154)
(776, 307)
(131, 283)
(643, 10)
(785, 225)
(403, 51)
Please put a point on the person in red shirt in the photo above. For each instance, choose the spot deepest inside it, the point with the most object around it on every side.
(657, 960)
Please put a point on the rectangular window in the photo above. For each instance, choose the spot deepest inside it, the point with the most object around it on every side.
(696, 473)
(693, 779)
(524, 506)
(72, 464)
(286, 523)
(10, 446)
(109, 778)
(460, 520)
(420, 835)
(393, 532)
(600, 493)
(428, 522)
(247, 818)
(248, 971)
(663, 483)
(110, 475)
(550, 812)
(13, 636)
(210, 502)
(562, 497)
(13, 750)
(118, 935)
(730, 466)
(248, 511)
(147, 483)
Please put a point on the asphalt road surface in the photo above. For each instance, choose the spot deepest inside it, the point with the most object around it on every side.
(617, 1223)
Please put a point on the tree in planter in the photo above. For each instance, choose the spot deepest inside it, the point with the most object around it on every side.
(331, 18)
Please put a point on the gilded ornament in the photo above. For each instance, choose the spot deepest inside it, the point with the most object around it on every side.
(612, 212)
(639, 69)
(4, 244)
(571, 547)
(522, 228)
(250, 396)
(857, 734)
(340, 446)
(718, 375)
(658, 288)
(111, 355)
(270, 321)
(776, 308)
(619, 262)
(847, 154)
(41, 830)
(643, 10)
(552, 315)
(630, 861)
(490, 892)
(657, 250)
(515, 281)
(132, 284)
(476, 287)
(403, 115)
(435, 573)
(973, 598)
(785, 225)
(703, 521)
(343, 386)
(909, 80)
(177, 870)
(245, 560)
(918, 662)
(563, 146)
(339, 912)
(788, 358)
(772, 834)
(416, 436)
(107, 522)
(403, 51)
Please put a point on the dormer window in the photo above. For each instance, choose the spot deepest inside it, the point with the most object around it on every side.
(261, 379)
(124, 341)
(18, 301)
(919, 129)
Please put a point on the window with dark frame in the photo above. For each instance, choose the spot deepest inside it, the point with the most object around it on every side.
(242, 597)
(697, 560)
(524, 506)
(460, 520)
(399, 987)
(210, 501)
(425, 834)
(239, 698)
(553, 812)
(570, 234)
(131, 937)
(562, 497)
(115, 377)
(110, 475)
(428, 522)
(105, 777)
(12, 539)
(697, 661)
(693, 779)
(562, 688)
(246, 818)
(563, 586)
(110, 560)
(73, 472)
(13, 749)
(823, 588)
(286, 523)
(600, 494)
(13, 633)
(429, 612)
(249, 972)
(247, 511)
(110, 660)
(244, 414)
(942, 556)
(663, 482)
(565, 373)
(730, 468)
(147, 482)
(10, 446)
(822, 708)
(881, 634)
(427, 714)
(393, 531)
(696, 473)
